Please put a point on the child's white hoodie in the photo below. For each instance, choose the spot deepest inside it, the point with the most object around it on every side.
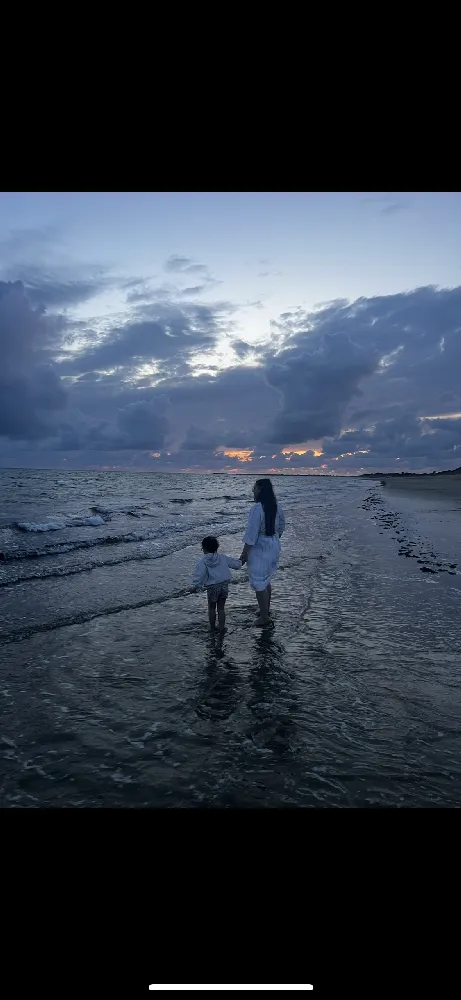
(214, 568)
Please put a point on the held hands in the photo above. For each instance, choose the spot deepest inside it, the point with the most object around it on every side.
(244, 558)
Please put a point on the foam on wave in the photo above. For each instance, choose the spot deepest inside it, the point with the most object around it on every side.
(57, 524)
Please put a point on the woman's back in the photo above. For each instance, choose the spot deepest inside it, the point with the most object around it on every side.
(279, 526)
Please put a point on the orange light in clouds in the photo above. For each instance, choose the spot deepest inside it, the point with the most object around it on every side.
(244, 455)
(155, 454)
(293, 451)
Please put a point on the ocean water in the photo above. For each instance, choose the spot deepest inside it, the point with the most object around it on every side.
(113, 692)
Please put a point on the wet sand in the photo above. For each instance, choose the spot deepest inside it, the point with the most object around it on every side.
(449, 486)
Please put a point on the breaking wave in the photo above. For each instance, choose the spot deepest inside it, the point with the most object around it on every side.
(150, 534)
(57, 524)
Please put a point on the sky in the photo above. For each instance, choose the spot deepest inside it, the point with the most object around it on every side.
(237, 332)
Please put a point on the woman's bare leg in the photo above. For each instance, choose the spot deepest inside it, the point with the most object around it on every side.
(269, 592)
(263, 601)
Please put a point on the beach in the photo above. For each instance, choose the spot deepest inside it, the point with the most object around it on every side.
(447, 486)
(114, 694)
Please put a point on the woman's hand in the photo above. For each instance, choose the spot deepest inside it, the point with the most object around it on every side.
(244, 557)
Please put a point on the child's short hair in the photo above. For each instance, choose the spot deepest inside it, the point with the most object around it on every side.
(210, 544)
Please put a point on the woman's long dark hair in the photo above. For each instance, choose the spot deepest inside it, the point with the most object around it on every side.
(269, 503)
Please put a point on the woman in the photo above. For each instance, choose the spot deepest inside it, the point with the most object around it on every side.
(261, 549)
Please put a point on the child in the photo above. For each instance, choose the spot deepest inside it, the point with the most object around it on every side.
(213, 572)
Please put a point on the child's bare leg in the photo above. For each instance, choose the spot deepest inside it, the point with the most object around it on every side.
(221, 614)
(212, 614)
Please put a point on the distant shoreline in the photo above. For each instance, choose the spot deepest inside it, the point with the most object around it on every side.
(410, 475)
(183, 472)
(449, 486)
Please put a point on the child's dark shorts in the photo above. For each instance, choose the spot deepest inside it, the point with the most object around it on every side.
(218, 592)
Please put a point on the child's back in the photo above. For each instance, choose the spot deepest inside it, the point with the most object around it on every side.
(213, 572)
(214, 568)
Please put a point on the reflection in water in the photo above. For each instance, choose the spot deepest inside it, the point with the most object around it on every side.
(220, 690)
(272, 702)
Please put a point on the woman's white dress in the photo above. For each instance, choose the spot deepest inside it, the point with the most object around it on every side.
(264, 554)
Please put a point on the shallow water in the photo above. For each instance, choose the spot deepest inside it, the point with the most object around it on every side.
(114, 694)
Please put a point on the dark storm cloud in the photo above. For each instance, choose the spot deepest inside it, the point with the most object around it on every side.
(30, 391)
(140, 424)
(423, 329)
(316, 377)
(226, 410)
(375, 366)
(315, 392)
(400, 355)
(236, 400)
(417, 443)
(402, 351)
(200, 439)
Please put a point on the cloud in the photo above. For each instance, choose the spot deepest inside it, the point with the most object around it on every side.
(199, 439)
(404, 439)
(393, 208)
(141, 424)
(184, 265)
(23, 243)
(193, 290)
(36, 258)
(167, 335)
(242, 349)
(143, 292)
(48, 290)
(388, 204)
(187, 268)
(401, 353)
(30, 391)
(354, 381)
(317, 375)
